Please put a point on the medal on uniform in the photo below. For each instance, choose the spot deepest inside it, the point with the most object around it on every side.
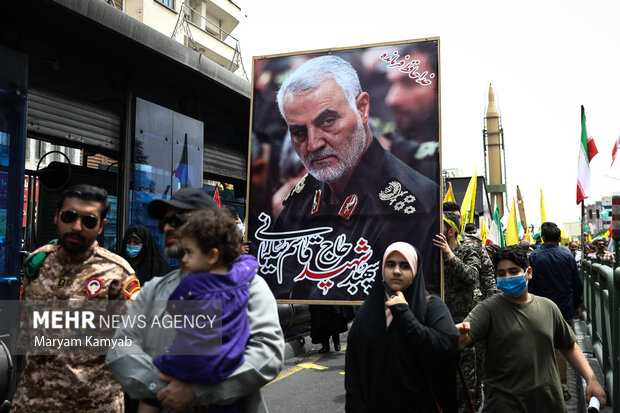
(401, 200)
(62, 282)
(348, 206)
(93, 287)
(316, 202)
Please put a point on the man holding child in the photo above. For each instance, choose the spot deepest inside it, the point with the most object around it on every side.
(133, 366)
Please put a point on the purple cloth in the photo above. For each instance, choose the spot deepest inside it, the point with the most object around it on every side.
(200, 364)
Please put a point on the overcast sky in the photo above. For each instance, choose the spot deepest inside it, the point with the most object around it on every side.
(544, 59)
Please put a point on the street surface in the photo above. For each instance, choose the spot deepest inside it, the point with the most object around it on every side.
(309, 384)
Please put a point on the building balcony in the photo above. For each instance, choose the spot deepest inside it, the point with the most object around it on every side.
(203, 25)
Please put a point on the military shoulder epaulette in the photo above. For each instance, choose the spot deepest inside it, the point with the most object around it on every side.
(110, 256)
(298, 188)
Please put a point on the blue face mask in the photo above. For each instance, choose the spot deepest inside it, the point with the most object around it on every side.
(133, 250)
(512, 286)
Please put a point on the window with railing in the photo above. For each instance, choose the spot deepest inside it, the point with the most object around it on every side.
(167, 3)
(200, 17)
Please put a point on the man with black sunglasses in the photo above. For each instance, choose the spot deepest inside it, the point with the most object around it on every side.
(73, 268)
(134, 368)
(601, 250)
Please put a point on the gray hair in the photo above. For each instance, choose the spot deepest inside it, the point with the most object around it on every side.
(314, 72)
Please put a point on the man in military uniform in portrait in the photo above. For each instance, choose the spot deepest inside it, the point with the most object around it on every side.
(464, 264)
(73, 268)
(414, 106)
(356, 199)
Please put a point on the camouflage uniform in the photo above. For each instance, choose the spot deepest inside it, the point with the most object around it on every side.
(462, 278)
(488, 287)
(73, 383)
(486, 275)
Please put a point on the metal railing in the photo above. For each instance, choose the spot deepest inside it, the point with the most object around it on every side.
(601, 299)
(190, 16)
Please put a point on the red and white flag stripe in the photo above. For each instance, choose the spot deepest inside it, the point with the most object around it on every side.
(587, 150)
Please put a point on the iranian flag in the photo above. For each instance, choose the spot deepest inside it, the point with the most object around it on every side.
(613, 153)
(587, 150)
(496, 235)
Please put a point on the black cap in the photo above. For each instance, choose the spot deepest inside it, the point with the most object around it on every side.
(187, 199)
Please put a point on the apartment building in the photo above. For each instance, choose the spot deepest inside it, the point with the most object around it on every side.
(203, 25)
(99, 91)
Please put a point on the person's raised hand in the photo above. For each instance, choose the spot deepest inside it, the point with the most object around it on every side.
(441, 242)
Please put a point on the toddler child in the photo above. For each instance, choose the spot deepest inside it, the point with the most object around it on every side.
(211, 243)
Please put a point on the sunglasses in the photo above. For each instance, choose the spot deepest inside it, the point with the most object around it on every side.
(89, 221)
(175, 220)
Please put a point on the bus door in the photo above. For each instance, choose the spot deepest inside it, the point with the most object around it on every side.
(13, 95)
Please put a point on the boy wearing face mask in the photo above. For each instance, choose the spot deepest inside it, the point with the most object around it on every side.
(556, 277)
(521, 331)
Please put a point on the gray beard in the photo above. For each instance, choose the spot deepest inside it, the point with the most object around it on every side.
(174, 251)
(357, 145)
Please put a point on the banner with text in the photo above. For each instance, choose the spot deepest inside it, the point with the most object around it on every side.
(344, 161)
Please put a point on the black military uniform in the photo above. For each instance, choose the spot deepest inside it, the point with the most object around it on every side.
(422, 155)
(335, 251)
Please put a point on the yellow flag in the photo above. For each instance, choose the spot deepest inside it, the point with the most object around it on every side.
(543, 211)
(469, 201)
(449, 195)
(528, 236)
(512, 234)
(484, 231)
(589, 238)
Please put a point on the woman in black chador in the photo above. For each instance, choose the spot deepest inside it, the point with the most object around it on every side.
(402, 350)
(142, 253)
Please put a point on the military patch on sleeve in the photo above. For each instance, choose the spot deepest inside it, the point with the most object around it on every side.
(131, 287)
(93, 287)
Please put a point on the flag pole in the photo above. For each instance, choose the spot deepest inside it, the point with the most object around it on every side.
(583, 234)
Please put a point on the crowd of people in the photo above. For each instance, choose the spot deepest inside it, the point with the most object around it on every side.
(514, 318)
(505, 325)
(156, 370)
(500, 339)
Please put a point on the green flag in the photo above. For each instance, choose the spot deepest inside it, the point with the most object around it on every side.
(496, 235)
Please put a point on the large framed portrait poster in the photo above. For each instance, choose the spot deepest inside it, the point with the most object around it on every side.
(345, 160)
